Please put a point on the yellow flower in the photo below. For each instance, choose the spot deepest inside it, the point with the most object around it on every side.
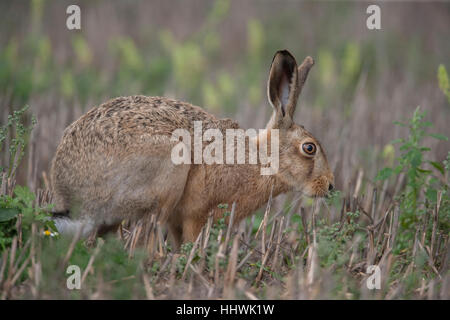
(47, 232)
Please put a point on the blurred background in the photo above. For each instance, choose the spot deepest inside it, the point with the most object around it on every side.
(217, 54)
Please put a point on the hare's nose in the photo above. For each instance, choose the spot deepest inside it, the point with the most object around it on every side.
(330, 187)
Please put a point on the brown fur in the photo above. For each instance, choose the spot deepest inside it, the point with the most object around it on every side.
(114, 162)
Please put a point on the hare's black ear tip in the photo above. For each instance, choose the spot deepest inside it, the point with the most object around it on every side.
(284, 52)
(284, 55)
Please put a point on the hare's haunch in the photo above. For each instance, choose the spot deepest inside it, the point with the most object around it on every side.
(115, 163)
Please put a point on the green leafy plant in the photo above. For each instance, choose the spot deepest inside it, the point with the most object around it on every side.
(424, 178)
(20, 206)
(334, 239)
(18, 132)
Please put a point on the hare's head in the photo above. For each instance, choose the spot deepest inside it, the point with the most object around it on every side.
(303, 165)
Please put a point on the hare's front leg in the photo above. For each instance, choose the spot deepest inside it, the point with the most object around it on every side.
(191, 228)
(184, 227)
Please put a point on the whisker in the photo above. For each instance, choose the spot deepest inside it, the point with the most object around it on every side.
(326, 205)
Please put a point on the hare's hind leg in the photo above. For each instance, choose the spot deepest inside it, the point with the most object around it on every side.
(146, 185)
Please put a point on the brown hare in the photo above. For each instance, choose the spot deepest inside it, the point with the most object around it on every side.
(114, 163)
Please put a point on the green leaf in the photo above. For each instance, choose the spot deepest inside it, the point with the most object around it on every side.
(398, 169)
(296, 218)
(438, 136)
(424, 171)
(7, 214)
(383, 174)
(438, 166)
(397, 141)
(416, 158)
(25, 195)
(406, 146)
(431, 195)
(398, 123)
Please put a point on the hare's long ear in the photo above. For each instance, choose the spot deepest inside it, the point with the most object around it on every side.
(303, 71)
(284, 86)
(282, 89)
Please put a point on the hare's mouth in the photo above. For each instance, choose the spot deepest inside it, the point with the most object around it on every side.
(319, 195)
(312, 192)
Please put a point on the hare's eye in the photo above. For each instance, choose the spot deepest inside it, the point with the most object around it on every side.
(309, 148)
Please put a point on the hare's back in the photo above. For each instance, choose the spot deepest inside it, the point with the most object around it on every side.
(125, 128)
(137, 115)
